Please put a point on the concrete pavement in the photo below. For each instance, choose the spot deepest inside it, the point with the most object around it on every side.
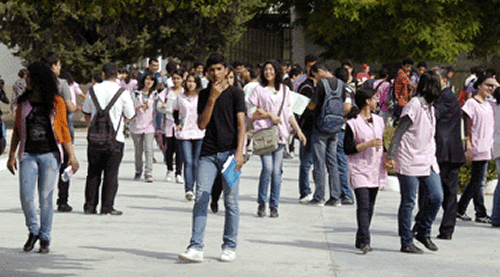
(156, 226)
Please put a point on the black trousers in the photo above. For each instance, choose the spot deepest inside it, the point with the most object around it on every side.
(173, 147)
(99, 163)
(365, 201)
(63, 187)
(449, 181)
(217, 188)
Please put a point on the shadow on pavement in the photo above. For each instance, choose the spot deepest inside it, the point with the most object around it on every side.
(137, 252)
(16, 262)
(12, 210)
(347, 248)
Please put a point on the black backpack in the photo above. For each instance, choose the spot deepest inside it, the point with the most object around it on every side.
(331, 118)
(101, 135)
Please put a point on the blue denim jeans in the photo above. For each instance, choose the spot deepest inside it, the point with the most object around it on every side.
(190, 150)
(272, 169)
(38, 170)
(210, 166)
(306, 161)
(474, 190)
(345, 191)
(409, 186)
(325, 156)
(495, 212)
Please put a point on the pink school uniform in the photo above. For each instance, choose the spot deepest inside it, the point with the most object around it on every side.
(143, 122)
(168, 97)
(264, 98)
(188, 115)
(416, 155)
(482, 129)
(366, 168)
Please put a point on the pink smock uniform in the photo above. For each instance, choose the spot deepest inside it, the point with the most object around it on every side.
(366, 168)
(143, 122)
(482, 130)
(188, 116)
(416, 155)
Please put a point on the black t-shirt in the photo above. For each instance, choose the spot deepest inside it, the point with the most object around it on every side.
(39, 135)
(319, 94)
(307, 118)
(222, 131)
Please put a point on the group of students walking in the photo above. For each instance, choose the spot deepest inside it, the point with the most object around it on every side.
(205, 124)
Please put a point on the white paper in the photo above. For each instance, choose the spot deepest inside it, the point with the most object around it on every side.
(299, 102)
(227, 163)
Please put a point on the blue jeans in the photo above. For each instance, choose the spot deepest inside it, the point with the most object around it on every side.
(191, 156)
(474, 190)
(495, 213)
(210, 166)
(38, 170)
(306, 161)
(272, 169)
(409, 186)
(345, 191)
(325, 155)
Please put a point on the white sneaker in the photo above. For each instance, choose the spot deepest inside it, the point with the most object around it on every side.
(190, 195)
(192, 255)
(179, 179)
(169, 175)
(306, 199)
(227, 255)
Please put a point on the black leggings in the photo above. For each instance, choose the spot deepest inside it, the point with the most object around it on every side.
(365, 200)
(173, 147)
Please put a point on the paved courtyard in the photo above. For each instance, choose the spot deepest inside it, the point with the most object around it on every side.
(156, 224)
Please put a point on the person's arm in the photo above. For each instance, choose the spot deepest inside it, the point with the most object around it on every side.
(66, 95)
(297, 128)
(14, 141)
(468, 141)
(404, 123)
(71, 156)
(238, 156)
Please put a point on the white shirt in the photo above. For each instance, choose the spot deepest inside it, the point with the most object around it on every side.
(124, 106)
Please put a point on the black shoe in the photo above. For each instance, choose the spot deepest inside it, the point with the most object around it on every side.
(333, 202)
(274, 212)
(412, 249)
(64, 208)
(427, 242)
(89, 211)
(443, 236)
(112, 212)
(261, 211)
(463, 217)
(484, 219)
(365, 249)
(347, 201)
(316, 202)
(495, 225)
(30, 243)
(214, 207)
(44, 247)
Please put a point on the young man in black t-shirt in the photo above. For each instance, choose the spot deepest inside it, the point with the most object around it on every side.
(221, 112)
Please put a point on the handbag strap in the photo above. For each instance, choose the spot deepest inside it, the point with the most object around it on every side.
(282, 102)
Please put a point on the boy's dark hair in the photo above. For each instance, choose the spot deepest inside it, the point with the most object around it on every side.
(277, 70)
(294, 72)
(237, 63)
(254, 73)
(216, 58)
(97, 77)
(170, 67)
(478, 70)
(197, 63)
(342, 73)
(318, 65)
(490, 71)
(50, 58)
(346, 62)
(152, 59)
(407, 61)
(421, 64)
(110, 70)
(310, 58)
(298, 66)
(449, 69)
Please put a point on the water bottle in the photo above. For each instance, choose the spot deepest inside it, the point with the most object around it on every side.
(66, 175)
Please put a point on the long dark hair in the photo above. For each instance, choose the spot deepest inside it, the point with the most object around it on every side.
(496, 95)
(152, 76)
(480, 80)
(429, 86)
(277, 70)
(44, 81)
(362, 94)
(67, 76)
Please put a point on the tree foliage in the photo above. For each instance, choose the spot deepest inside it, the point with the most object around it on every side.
(389, 30)
(87, 33)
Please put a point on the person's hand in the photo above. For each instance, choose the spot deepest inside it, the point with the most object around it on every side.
(12, 164)
(145, 106)
(179, 127)
(302, 138)
(389, 163)
(239, 161)
(74, 164)
(276, 120)
(216, 91)
(375, 143)
(468, 153)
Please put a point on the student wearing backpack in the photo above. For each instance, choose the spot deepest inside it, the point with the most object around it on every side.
(142, 127)
(327, 104)
(107, 158)
(270, 104)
